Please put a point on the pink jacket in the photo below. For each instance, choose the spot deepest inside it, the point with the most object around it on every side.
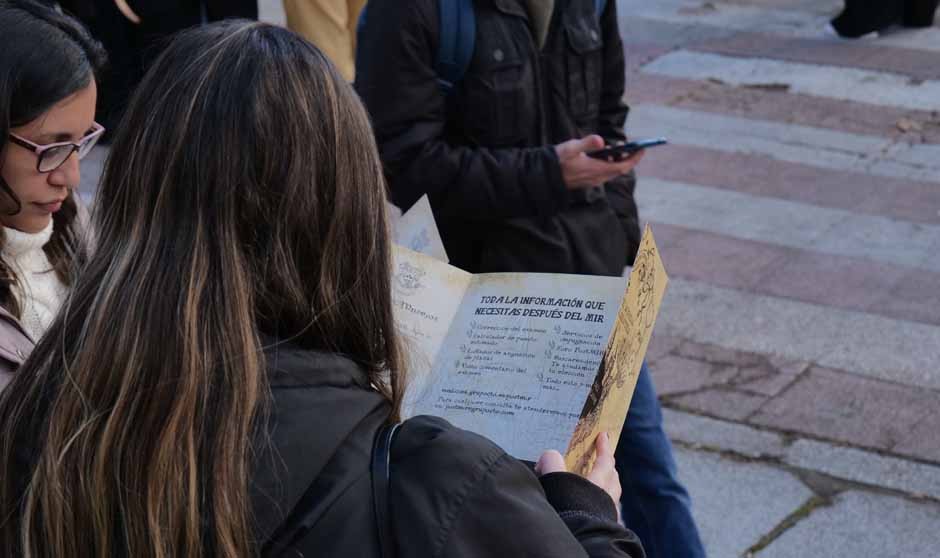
(15, 346)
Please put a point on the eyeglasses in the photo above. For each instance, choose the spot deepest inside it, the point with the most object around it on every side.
(54, 155)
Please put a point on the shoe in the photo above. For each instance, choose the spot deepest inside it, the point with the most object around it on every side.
(831, 32)
(919, 13)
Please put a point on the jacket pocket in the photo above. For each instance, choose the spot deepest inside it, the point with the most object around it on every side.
(584, 67)
(495, 103)
(498, 90)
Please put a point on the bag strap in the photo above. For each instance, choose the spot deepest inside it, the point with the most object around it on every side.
(381, 478)
(457, 39)
(599, 6)
(293, 528)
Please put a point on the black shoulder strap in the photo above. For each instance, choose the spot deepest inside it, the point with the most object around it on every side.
(293, 528)
(381, 477)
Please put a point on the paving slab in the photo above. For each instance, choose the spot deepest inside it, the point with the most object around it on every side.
(862, 524)
(834, 82)
(675, 374)
(923, 441)
(844, 407)
(722, 435)
(912, 478)
(272, 11)
(847, 282)
(763, 175)
(734, 503)
(911, 66)
(661, 344)
(779, 104)
(771, 379)
(916, 295)
(865, 344)
(719, 402)
(835, 232)
(790, 143)
(719, 259)
(716, 354)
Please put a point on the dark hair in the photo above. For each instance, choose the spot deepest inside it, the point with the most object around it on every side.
(45, 56)
(243, 199)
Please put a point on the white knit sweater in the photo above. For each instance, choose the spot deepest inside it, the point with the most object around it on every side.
(38, 289)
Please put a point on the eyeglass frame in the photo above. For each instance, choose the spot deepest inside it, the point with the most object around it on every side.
(97, 130)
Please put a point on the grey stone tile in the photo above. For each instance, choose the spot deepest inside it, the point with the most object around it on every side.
(924, 440)
(660, 346)
(862, 524)
(893, 350)
(720, 402)
(735, 504)
(721, 435)
(674, 374)
(845, 407)
(856, 465)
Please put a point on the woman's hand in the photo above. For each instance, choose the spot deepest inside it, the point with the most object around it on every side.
(603, 474)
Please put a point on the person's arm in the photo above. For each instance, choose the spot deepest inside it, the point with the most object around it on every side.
(396, 79)
(611, 121)
(457, 495)
(510, 512)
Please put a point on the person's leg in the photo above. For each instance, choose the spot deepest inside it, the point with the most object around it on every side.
(655, 505)
(920, 13)
(329, 25)
(223, 9)
(861, 17)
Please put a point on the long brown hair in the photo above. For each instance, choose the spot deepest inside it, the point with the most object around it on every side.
(45, 56)
(243, 198)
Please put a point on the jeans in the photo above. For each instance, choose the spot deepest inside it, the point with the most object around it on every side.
(655, 506)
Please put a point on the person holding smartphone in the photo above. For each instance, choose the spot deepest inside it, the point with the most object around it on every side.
(48, 90)
(503, 153)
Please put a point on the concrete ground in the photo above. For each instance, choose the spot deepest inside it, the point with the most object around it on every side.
(798, 353)
(798, 213)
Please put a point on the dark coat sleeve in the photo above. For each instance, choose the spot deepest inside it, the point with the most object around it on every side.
(458, 495)
(398, 84)
(611, 120)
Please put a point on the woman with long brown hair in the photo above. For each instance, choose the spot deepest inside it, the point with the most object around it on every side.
(215, 381)
(47, 108)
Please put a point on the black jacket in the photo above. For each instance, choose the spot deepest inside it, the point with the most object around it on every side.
(484, 153)
(453, 493)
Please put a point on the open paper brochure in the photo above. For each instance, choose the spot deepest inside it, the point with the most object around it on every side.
(532, 361)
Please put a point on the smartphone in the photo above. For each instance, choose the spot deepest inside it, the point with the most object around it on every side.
(622, 151)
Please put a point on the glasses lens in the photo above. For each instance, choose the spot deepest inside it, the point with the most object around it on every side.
(86, 147)
(51, 159)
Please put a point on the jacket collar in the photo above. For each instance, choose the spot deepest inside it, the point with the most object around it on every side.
(318, 401)
(8, 318)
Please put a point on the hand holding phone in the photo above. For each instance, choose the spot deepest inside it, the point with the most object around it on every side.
(624, 150)
(579, 172)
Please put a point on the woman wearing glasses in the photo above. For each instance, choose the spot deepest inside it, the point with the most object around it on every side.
(47, 109)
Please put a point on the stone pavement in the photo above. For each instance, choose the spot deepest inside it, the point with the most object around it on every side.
(798, 213)
(798, 352)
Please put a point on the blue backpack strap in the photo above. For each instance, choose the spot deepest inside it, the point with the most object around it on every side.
(599, 6)
(457, 38)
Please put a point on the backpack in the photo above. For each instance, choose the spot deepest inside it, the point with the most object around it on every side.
(458, 34)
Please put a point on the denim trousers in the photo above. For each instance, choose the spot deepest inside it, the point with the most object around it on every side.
(655, 505)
